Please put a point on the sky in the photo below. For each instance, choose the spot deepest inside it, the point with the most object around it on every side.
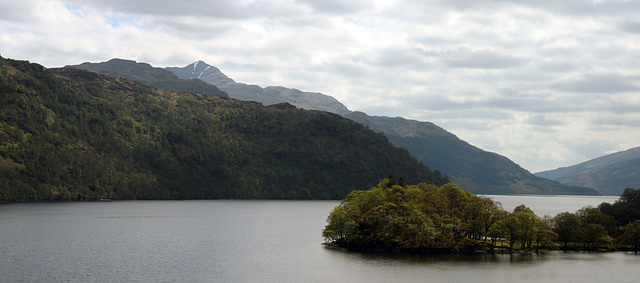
(545, 83)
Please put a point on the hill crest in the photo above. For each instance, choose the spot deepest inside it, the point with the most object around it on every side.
(149, 75)
(267, 95)
(609, 174)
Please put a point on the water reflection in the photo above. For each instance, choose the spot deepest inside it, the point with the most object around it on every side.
(426, 259)
(554, 266)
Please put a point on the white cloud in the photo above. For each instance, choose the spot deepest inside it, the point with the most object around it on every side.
(545, 83)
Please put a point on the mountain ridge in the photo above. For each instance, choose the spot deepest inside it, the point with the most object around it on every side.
(424, 140)
(268, 95)
(146, 74)
(609, 174)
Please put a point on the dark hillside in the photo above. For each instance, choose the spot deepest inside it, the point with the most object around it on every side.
(73, 134)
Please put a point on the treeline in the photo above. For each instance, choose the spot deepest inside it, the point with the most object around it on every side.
(608, 226)
(425, 218)
(69, 134)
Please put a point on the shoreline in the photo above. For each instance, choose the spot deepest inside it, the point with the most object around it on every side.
(485, 250)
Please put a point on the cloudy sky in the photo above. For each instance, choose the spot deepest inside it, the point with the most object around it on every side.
(545, 83)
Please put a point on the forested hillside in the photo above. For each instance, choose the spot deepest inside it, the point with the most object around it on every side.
(69, 134)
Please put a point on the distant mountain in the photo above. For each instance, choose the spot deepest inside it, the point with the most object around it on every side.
(609, 174)
(468, 166)
(68, 134)
(479, 171)
(267, 96)
(148, 75)
(203, 71)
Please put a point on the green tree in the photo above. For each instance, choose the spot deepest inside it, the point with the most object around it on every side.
(340, 225)
(567, 226)
(498, 229)
(544, 236)
(626, 209)
(631, 235)
(525, 220)
(593, 231)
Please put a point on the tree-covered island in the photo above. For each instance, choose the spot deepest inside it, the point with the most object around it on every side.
(425, 218)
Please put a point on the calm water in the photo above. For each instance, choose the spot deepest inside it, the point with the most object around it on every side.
(251, 241)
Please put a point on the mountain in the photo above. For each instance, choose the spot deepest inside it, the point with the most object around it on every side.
(148, 75)
(203, 71)
(69, 134)
(477, 170)
(267, 96)
(609, 174)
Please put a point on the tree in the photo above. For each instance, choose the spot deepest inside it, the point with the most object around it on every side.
(630, 195)
(626, 209)
(566, 225)
(498, 229)
(525, 220)
(592, 232)
(631, 235)
(544, 235)
(340, 225)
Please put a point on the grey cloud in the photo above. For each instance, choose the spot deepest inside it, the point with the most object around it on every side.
(15, 11)
(624, 108)
(398, 57)
(198, 8)
(308, 21)
(616, 122)
(189, 29)
(350, 69)
(630, 26)
(432, 40)
(599, 84)
(568, 7)
(534, 105)
(588, 148)
(544, 120)
(507, 101)
(482, 59)
(557, 65)
(338, 6)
